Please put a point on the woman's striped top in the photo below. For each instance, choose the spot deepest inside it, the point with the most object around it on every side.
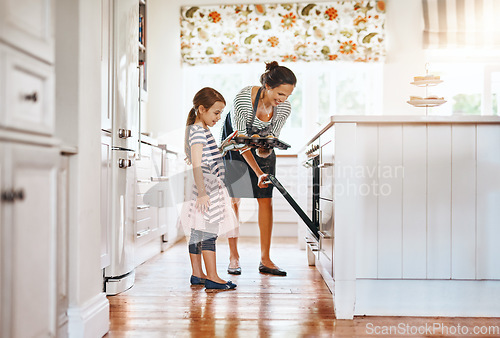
(242, 113)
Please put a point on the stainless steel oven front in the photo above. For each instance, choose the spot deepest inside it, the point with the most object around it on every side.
(312, 162)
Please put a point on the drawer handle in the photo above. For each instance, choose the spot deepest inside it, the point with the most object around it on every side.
(12, 196)
(143, 181)
(325, 165)
(143, 233)
(159, 179)
(143, 206)
(31, 97)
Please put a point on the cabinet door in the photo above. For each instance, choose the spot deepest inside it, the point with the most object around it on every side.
(29, 25)
(126, 74)
(106, 63)
(31, 238)
(4, 311)
(62, 246)
(105, 200)
(161, 188)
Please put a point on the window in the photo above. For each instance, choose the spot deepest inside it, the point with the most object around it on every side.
(470, 87)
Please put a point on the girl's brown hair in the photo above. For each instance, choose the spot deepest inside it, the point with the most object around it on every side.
(205, 97)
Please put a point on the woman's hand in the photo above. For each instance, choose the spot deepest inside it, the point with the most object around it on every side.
(261, 180)
(263, 153)
(202, 202)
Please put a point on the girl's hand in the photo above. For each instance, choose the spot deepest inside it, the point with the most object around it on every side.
(261, 180)
(202, 202)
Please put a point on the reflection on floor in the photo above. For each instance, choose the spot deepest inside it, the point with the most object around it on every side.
(162, 303)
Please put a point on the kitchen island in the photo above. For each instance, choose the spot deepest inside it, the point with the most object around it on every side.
(414, 225)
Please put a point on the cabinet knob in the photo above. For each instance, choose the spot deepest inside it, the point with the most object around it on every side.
(124, 163)
(19, 195)
(8, 196)
(31, 97)
(12, 195)
(124, 133)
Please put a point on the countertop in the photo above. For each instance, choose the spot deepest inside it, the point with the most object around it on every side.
(402, 119)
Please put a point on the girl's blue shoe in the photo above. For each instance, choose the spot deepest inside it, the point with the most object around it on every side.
(219, 286)
(197, 280)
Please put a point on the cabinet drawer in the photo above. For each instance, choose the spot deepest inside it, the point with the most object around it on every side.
(29, 94)
(147, 223)
(29, 25)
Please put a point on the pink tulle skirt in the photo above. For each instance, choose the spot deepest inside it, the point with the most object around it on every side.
(219, 212)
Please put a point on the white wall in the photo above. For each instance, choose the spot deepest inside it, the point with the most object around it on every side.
(405, 59)
(405, 56)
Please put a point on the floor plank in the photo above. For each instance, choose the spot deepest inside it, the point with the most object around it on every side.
(162, 303)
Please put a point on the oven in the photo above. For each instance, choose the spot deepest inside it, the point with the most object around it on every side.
(319, 158)
(311, 162)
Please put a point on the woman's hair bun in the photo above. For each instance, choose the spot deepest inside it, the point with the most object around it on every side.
(271, 65)
(276, 75)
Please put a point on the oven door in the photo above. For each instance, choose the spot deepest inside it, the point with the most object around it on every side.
(326, 165)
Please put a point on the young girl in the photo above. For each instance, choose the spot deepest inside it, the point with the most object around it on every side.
(208, 212)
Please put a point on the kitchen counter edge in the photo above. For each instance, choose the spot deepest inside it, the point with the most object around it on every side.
(401, 119)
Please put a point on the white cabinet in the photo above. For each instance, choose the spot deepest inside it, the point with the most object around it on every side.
(29, 176)
(62, 245)
(28, 92)
(147, 211)
(152, 190)
(105, 199)
(29, 26)
(126, 75)
(106, 64)
(162, 192)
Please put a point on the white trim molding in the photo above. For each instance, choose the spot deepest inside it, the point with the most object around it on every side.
(91, 319)
(449, 298)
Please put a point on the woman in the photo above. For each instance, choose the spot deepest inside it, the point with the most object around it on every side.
(258, 111)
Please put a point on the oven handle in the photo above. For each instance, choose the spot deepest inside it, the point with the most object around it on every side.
(325, 165)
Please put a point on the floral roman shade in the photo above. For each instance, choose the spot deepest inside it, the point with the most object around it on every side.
(335, 30)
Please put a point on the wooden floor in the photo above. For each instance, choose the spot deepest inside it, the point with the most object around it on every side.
(163, 304)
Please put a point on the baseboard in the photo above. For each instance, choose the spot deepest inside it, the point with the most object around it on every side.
(91, 320)
(445, 298)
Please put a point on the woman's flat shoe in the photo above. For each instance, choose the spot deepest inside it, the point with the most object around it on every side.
(277, 272)
(234, 271)
(219, 286)
(197, 280)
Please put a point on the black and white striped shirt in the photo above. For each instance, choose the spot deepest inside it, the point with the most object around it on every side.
(212, 167)
(242, 113)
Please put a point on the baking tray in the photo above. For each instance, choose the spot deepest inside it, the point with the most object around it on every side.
(262, 142)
